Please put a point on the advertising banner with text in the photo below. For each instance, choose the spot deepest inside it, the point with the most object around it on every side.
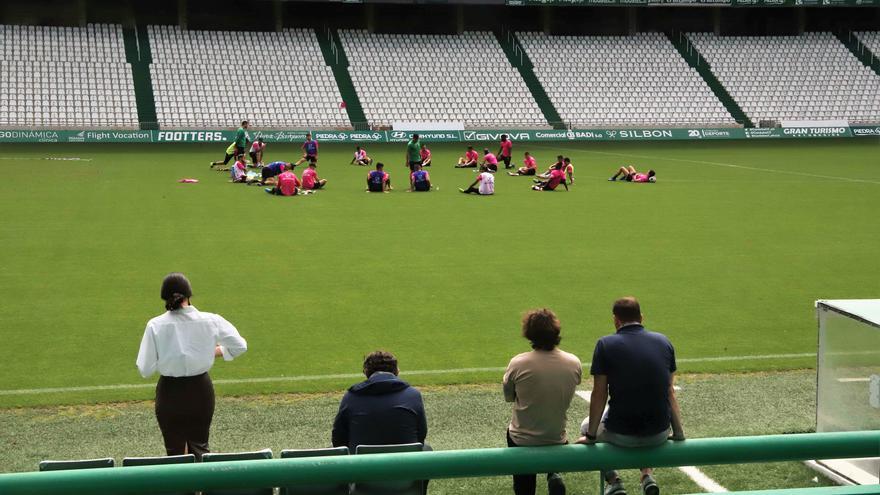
(225, 137)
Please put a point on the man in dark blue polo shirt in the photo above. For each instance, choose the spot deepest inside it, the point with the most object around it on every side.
(636, 368)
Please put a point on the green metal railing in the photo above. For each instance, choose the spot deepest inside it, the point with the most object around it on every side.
(441, 464)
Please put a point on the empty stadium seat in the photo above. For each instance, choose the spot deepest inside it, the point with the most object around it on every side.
(808, 77)
(389, 487)
(638, 80)
(198, 81)
(239, 456)
(65, 77)
(333, 489)
(160, 461)
(79, 464)
(450, 78)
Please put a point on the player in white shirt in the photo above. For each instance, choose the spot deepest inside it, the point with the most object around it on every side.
(484, 185)
(181, 345)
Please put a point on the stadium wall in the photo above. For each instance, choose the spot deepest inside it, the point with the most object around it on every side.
(297, 136)
(608, 17)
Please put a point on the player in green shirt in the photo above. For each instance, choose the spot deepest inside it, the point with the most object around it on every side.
(413, 153)
(236, 149)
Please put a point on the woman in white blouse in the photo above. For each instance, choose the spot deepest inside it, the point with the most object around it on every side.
(181, 345)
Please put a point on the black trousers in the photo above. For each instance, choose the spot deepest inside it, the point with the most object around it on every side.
(526, 484)
(184, 410)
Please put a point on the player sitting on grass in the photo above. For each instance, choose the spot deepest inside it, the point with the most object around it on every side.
(360, 157)
(310, 180)
(238, 171)
(378, 180)
(273, 169)
(560, 162)
(485, 181)
(425, 154)
(288, 183)
(310, 150)
(568, 169)
(489, 161)
(419, 180)
(530, 166)
(630, 174)
(257, 152)
(469, 160)
(557, 176)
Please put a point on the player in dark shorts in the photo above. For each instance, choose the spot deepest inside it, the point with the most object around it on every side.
(413, 153)
(310, 150)
(237, 147)
(273, 169)
(505, 152)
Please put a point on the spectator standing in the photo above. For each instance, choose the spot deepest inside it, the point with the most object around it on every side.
(181, 345)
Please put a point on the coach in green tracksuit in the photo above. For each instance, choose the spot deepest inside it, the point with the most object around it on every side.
(241, 138)
(413, 153)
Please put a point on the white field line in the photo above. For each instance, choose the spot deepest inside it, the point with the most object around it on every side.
(851, 380)
(698, 477)
(338, 376)
(719, 164)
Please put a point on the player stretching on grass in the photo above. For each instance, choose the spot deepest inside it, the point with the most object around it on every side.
(557, 176)
(288, 183)
(310, 150)
(630, 174)
(236, 149)
(485, 181)
(360, 157)
(238, 171)
(489, 161)
(273, 169)
(378, 180)
(425, 155)
(310, 181)
(504, 152)
(469, 160)
(530, 166)
(560, 162)
(419, 180)
(257, 152)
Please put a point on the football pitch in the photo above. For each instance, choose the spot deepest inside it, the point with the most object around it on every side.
(727, 252)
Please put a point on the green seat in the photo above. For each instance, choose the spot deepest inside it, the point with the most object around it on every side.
(332, 489)
(160, 461)
(239, 456)
(389, 487)
(81, 464)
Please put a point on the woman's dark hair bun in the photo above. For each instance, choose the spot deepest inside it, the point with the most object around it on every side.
(175, 290)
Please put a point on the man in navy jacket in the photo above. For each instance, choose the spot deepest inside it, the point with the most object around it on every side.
(381, 410)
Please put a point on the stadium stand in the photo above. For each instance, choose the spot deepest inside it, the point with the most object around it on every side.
(871, 40)
(52, 77)
(198, 83)
(621, 81)
(808, 77)
(452, 78)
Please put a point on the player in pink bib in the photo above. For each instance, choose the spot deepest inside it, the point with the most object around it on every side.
(425, 154)
(360, 157)
(505, 150)
(630, 174)
(256, 152)
(489, 161)
(557, 176)
(287, 183)
(310, 180)
(469, 160)
(530, 166)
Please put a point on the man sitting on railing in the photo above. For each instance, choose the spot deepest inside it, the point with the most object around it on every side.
(636, 367)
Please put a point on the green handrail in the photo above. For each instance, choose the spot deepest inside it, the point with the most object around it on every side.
(442, 464)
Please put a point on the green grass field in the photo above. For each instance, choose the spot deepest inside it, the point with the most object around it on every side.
(727, 252)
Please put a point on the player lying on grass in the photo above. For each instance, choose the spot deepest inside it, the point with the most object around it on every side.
(560, 162)
(419, 180)
(360, 157)
(310, 150)
(630, 174)
(489, 161)
(557, 176)
(378, 180)
(530, 166)
(484, 185)
(469, 160)
(425, 155)
(310, 180)
(256, 152)
(288, 183)
(273, 169)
